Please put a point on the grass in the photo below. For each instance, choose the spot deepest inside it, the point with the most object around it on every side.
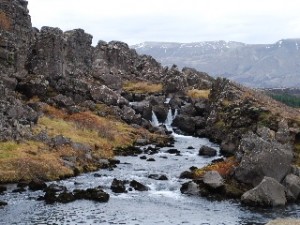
(196, 93)
(31, 159)
(142, 87)
(224, 168)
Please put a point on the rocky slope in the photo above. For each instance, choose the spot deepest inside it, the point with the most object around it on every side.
(66, 106)
(263, 65)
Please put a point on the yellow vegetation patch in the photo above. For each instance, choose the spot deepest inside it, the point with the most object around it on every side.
(196, 93)
(5, 21)
(142, 87)
(224, 168)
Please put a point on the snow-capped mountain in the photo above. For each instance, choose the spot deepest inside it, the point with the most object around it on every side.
(256, 65)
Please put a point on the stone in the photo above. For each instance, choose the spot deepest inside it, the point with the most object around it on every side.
(3, 189)
(36, 185)
(186, 175)
(3, 203)
(213, 180)
(94, 194)
(55, 188)
(65, 197)
(269, 193)
(158, 177)
(190, 188)
(150, 160)
(173, 151)
(103, 94)
(292, 185)
(138, 186)
(118, 186)
(207, 151)
(261, 157)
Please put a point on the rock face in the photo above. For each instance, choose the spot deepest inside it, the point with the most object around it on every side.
(16, 36)
(268, 193)
(263, 156)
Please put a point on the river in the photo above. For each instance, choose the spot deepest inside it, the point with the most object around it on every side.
(162, 204)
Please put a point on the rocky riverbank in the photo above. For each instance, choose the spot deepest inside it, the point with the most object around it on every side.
(65, 106)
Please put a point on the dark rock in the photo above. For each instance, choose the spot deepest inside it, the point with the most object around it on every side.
(59, 141)
(97, 175)
(292, 185)
(261, 158)
(3, 203)
(186, 175)
(229, 146)
(190, 188)
(143, 157)
(190, 147)
(37, 185)
(126, 151)
(158, 177)
(22, 184)
(138, 186)
(95, 194)
(65, 197)
(213, 180)
(55, 188)
(150, 160)
(207, 151)
(193, 168)
(118, 186)
(185, 123)
(173, 151)
(114, 161)
(128, 114)
(3, 189)
(19, 190)
(268, 193)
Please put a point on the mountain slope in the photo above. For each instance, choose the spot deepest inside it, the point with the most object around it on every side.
(259, 65)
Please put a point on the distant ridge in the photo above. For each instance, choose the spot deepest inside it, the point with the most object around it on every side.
(254, 65)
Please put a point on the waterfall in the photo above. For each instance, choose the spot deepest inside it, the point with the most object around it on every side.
(170, 118)
(154, 121)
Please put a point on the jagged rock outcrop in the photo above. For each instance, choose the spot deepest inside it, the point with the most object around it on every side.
(15, 39)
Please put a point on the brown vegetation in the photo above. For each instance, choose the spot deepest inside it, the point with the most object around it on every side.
(196, 93)
(5, 22)
(224, 168)
(142, 87)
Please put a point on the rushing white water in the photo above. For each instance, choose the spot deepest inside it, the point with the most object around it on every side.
(170, 118)
(162, 204)
(154, 120)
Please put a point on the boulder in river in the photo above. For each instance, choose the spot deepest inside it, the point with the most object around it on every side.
(3, 189)
(207, 151)
(95, 194)
(190, 188)
(186, 175)
(268, 193)
(3, 203)
(35, 185)
(138, 186)
(118, 186)
(213, 180)
(158, 177)
(292, 185)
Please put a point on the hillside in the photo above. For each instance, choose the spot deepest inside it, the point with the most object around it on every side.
(67, 107)
(263, 65)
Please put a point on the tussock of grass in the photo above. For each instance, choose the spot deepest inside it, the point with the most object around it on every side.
(224, 168)
(142, 87)
(196, 93)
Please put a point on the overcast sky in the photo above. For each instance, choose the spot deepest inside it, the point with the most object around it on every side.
(136, 21)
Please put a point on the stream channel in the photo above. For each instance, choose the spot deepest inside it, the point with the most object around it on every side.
(162, 204)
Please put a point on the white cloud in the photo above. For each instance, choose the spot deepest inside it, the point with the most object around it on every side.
(133, 21)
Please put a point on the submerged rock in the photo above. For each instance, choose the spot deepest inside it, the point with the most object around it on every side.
(158, 177)
(268, 193)
(3, 203)
(36, 185)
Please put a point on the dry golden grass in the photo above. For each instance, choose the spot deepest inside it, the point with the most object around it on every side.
(224, 168)
(142, 87)
(5, 21)
(196, 93)
(29, 160)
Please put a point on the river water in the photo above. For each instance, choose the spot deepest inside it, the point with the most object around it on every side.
(162, 204)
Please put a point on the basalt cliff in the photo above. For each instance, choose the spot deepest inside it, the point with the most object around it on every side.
(67, 107)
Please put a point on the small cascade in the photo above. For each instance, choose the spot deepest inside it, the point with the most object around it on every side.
(170, 118)
(154, 121)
